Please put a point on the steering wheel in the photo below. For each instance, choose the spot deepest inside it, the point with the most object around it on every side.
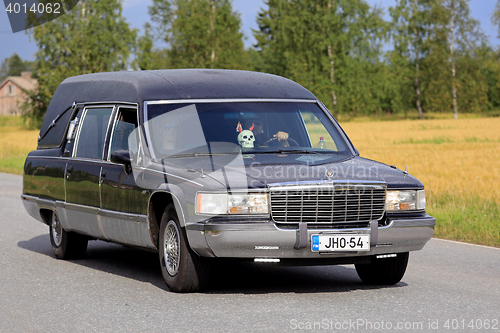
(289, 140)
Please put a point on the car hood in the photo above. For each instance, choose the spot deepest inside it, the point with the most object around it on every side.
(258, 171)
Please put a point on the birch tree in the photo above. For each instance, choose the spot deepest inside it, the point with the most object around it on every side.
(411, 25)
(92, 37)
(462, 36)
(199, 33)
(451, 6)
(14, 66)
(332, 47)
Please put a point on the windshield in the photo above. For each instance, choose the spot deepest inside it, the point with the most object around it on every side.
(246, 127)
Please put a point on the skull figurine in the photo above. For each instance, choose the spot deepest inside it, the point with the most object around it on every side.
(246, 139)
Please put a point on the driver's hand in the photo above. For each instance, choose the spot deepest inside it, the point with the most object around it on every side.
(282, 136)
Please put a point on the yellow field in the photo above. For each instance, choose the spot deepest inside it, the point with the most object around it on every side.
(15, 143)
(457, 160)
(458, 157)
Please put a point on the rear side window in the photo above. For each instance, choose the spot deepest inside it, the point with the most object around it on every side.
(92, 133)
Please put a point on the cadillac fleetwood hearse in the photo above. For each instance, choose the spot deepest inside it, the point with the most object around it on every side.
(199, 165)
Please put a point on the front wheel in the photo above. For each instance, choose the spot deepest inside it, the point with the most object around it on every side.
(182, 269)
(384, 271)
(66, 245)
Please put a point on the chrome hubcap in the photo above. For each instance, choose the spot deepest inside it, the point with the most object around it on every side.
(171, 248)
(56, 230)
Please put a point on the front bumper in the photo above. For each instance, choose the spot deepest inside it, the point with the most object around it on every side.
(267, 240)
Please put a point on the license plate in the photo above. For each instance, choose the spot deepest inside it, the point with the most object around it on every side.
(350, 242)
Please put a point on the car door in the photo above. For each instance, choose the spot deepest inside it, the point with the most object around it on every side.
(83, 171)
(124, 204)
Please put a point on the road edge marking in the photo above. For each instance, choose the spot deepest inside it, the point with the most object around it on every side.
(465, 243)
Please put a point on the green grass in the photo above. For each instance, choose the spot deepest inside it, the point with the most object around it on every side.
(435, 141)
(470, 219)
(413, 115)
(12, 121)
(429, 127)
(13, 164)
(474, 140)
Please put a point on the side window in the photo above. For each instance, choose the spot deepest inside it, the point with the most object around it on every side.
(92, 133)
(123, 136)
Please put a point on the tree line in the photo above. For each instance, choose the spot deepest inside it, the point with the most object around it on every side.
(14, 66)
(430, 56)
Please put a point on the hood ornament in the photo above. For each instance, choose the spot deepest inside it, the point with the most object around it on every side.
(406, 171)
(329, 173)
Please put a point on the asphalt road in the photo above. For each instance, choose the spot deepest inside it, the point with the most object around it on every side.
(118, 289)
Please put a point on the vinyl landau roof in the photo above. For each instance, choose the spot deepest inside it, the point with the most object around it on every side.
(171, 84)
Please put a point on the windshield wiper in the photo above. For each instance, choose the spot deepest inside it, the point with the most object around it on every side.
(288, 151)
(195, 154)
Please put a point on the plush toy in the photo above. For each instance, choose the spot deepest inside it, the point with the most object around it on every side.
(246, 137)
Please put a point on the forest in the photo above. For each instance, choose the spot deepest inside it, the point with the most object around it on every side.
(430, 57)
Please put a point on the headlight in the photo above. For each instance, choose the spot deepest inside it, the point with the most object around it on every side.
(211, 203)
(222, 203)
(405, 200)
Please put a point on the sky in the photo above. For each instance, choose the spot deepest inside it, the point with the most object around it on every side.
(136, 13)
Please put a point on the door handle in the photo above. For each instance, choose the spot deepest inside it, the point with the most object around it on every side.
(68, 171)
(103, 176)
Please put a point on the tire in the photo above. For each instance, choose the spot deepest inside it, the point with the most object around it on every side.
(386, 271)
(182, 269)
(66, 245)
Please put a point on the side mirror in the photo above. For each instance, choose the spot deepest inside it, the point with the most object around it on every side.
(122, 157)
(356, 151)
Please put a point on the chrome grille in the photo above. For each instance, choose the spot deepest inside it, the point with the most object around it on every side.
(330, 203)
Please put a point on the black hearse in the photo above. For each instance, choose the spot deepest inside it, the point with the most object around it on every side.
(203, 164)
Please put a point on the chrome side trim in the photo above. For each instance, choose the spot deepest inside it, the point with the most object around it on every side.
(106, 212)
(124, 216)
(104, 103)
(230, 100)
(82, 208)
(79, 159)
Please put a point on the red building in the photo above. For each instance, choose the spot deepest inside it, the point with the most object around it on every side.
(14, 92)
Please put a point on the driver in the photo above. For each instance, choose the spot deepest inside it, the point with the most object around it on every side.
(261, 139)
